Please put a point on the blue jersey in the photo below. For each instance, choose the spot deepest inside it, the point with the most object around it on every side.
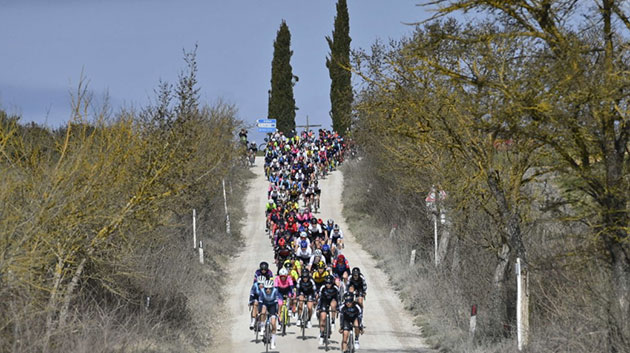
(269, 299)
(255, 291)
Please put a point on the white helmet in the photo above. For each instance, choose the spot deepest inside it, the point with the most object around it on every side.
(269, 284)
(261, 279)
(283, 272)
(317, 252)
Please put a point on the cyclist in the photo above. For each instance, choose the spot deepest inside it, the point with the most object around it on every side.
(336, 237)
(242, 135)
(350, 316)
(268, 301)
(328, 295)
(283, 251)
(306, 292)
(263, 270)
(341, 269)
(327, 254)
(284, 283)
(316, 258)
(304, 252)
(319, 276)
(254, 293)
(357, 280)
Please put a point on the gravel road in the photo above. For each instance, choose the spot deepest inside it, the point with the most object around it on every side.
(389, 327)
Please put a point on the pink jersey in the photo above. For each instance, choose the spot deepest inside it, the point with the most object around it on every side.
(286, 284)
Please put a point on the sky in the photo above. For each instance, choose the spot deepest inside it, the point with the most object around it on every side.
(124, 47)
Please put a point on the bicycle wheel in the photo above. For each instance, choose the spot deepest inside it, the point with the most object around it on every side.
(262, 146)
(350, 346)
(284, 315)
(267, 335)
(327, 330)
(304, 318)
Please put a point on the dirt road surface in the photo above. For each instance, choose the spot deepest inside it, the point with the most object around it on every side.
(389, 327)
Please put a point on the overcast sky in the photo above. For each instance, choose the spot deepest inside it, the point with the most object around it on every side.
(125, 46)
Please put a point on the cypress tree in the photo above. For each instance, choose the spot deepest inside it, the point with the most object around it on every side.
(281, 101)
(338, 64)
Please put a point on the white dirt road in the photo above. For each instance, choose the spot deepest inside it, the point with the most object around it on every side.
(389, 327)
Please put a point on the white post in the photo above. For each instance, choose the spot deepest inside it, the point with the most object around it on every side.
(522, 306)
(473, 325)
(435, 239)
(412, 261)
(201, 252)
(227, 215)
(194, 229)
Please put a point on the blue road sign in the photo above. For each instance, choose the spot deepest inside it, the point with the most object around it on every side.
(266, 129)
(266, 122)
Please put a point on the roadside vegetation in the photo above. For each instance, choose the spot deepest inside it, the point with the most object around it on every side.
(96, 242)
(521, 116)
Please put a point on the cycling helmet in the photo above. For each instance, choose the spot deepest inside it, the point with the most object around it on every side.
(348, 298)
(306, 274)
(261, 279)
(341, 257)
(269, 284)
(356, 271)
(330, 221)
(287, 264)
(325, 247)
(282, 242)
(336, 227)
(264, 266)
(329, 279)
(283, 272)
(303, 244)
(317, 252)
(303, 234)
(321, 265)
(320, 221)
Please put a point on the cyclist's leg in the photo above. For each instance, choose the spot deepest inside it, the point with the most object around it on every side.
(322, 320)
(346, 326)
(309, 306)
(272, 316)
(333, 310)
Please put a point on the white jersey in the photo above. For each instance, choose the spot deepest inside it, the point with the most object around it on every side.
(308, 248)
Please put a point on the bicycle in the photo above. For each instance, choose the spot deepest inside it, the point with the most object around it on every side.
(327, 329)
(267, 334)
(350, 341)
(304, 319)
(284, 316)
(256, 327)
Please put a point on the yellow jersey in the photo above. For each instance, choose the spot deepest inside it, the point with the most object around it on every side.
(319, 278)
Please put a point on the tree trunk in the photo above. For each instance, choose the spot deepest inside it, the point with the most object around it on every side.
(500, 291)
(620, 305)
(443, 245)
(70, 293)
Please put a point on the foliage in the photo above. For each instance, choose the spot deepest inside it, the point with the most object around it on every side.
(338, 64)
(89, 210)
(281, 102)
(523, 118)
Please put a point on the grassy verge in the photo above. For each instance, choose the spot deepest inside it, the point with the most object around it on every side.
(439, 301)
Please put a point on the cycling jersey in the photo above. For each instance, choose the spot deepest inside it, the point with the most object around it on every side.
(284, 287)
(336, 235)
(339, 267)
(267, 275)
(270, 300)
(306, 287)
(359, 285)
(347, 315)
(319, 277)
